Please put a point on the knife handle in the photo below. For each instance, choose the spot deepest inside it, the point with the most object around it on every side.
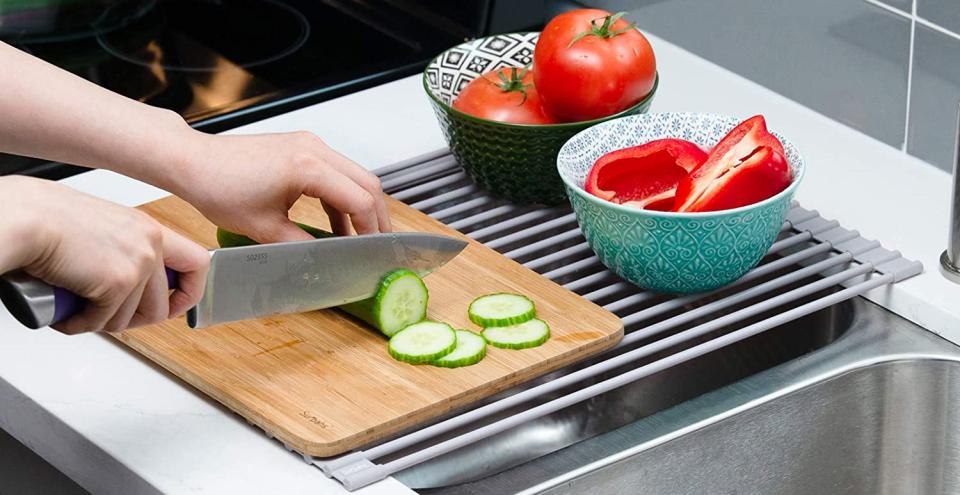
(35, 303)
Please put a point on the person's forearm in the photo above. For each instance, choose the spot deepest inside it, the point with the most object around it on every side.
(52, 114)
(18, 233)
(246, 184)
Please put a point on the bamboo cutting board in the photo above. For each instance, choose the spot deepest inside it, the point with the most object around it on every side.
(324, 384)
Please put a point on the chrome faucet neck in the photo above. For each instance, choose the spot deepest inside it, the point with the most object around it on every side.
(951, 257)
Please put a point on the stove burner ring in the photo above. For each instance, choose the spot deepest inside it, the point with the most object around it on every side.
(287, 51)
(19, 30)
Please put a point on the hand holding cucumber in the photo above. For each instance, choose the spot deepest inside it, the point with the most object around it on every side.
(246, 184)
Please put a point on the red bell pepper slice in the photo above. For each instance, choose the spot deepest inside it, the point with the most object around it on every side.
(746, 166)
(761, 175)
(644, 176)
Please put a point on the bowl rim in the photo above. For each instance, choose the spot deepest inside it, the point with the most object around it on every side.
(788, 191)
(560, 125)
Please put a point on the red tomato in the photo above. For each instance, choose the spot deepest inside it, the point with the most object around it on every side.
(505, 95)
(590, 64)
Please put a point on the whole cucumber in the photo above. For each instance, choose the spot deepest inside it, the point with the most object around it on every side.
(368, 310)
(225, 238)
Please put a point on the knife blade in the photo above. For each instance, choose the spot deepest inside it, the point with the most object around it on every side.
(293, 277)
(263, 280)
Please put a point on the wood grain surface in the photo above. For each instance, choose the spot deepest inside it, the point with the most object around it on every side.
(323, 383)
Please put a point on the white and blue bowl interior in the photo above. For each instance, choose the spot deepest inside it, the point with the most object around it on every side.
(666, 251)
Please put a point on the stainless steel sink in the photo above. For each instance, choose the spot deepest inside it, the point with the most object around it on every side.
(853, 399)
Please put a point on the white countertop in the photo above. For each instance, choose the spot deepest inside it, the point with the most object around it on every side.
(116, 423)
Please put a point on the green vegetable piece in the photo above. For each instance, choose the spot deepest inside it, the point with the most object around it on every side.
(225, 238)
(422, 342)
(530, 333)
(500, 310)
(399, 301)
(471, 348)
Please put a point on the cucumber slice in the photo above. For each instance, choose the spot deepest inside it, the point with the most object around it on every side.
(225, 238)
(400, 301)
(521, 336)
(422, 342)
(500, 310)
(471, 348)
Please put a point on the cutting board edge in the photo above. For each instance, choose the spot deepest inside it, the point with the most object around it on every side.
(325, 449)
(399, 424)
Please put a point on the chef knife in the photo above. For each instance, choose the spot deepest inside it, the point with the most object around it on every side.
(262, 280)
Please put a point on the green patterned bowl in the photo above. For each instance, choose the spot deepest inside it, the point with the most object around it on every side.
(665, 251)
(512, 161)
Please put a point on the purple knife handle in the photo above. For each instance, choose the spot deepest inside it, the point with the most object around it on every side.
(173, 278)
(67, 304)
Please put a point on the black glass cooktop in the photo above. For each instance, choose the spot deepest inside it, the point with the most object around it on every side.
(222, 63)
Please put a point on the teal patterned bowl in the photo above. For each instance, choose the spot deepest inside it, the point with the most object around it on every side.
(665, 251)
(512, 161)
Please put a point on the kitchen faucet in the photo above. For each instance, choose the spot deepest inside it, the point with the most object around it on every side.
(950, 258)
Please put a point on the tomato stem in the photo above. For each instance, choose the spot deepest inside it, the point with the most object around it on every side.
(514, 82)
(604, 30)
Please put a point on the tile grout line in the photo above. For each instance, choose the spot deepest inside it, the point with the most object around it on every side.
(936, 27)
(889, 8)
(910, 54)
(914, 20)
(912, 16)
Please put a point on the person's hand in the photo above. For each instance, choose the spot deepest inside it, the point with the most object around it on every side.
(111, 255)
(247, 184)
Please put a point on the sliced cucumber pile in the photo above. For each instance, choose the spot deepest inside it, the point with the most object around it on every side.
(530, 333)
(509, 323)
(423, 342)
(499, 310)
(400, 301)
(470, 349)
